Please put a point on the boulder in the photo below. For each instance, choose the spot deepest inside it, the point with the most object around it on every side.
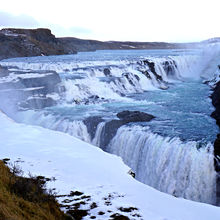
(134, 116)
(107, 72)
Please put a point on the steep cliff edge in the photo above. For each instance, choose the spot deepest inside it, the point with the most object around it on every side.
(216, 115)
(30, 42)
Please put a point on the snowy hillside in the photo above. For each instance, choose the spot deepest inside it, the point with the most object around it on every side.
(79, 166)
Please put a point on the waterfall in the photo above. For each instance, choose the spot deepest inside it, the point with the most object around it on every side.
(111, 80)
(183, 169)
(167, 164)
(74, 128)
(97, 139)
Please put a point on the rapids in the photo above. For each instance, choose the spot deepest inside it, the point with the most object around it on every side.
(172, 153)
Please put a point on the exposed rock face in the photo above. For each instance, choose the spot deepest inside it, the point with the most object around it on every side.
(28, 89)
(125, 117)
(217, 167)
(134, 116)
(151, 65)
(91, 124)
(217, 153)
(216, 114)
(109, 132)
(169, 67)
(216, 103)
(107, 72)
(30, 42)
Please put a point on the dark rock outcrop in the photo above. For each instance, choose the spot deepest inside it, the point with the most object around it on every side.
(91, 124)
(134, 116)
(125, 117)
(109, 131)
(169, 68)
(30, 42)
(216, 103)
(217, 153)
(151, 66)
(129, 76)
(107, 72)
(216, 115)
(28, 89)
(217, 167)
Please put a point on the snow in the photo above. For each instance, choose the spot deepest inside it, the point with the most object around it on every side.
(77, 165)
(13, 77)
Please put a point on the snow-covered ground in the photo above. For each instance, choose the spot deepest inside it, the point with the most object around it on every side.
(77, 165)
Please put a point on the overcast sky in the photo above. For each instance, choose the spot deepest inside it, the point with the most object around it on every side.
(134, 20)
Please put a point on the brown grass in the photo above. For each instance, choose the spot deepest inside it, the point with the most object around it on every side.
(17, 205)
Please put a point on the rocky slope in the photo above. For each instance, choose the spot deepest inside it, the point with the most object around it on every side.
(30, 42)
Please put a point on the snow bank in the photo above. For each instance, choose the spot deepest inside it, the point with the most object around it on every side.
(77, 165)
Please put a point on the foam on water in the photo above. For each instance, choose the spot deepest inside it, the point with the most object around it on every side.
(179, 168)
(169, 156)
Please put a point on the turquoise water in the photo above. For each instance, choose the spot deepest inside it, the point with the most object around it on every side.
(172, 152)
(182, 111)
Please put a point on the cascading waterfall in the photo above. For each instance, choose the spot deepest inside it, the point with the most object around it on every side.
(183, 169)
(113, 80)
(134, 77)
(169, 165)
(97, 139)
(75, 128)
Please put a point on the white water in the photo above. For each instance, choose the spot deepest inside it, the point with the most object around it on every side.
(84, 79)
(95, 83)
(168, 165)
(75, 128)
(97, 139)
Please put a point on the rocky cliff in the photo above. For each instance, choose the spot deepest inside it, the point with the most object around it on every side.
(216, 114)
(30, 42)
